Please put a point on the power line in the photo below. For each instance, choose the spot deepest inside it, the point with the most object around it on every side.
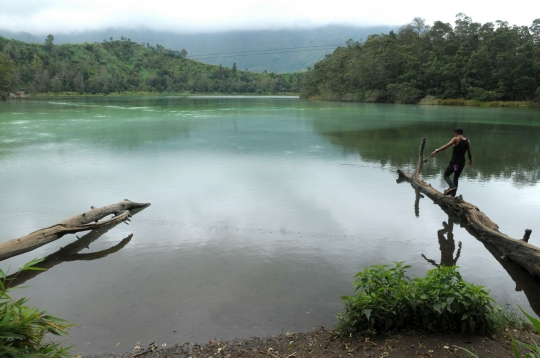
(255, 54)
(266, 52)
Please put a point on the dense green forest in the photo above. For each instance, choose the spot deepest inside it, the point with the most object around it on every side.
(485, 62)
(125, 66)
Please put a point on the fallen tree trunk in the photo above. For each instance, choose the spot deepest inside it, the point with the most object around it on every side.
(519, 251)
(84, 222)
(525, 282)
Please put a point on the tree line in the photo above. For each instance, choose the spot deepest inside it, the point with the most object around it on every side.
(125, 66)
(485, 62)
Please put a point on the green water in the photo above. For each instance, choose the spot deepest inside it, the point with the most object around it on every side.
(262, 208)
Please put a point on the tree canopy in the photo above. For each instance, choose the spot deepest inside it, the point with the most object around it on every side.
(125, 66)
(486, 62)
(6, 75)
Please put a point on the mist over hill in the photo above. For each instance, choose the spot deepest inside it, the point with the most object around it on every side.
(299, 43)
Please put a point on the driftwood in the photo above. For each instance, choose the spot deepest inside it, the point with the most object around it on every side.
(84, 222)
(518, 251)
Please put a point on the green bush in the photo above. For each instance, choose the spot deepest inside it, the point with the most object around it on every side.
(374, 96)
(442, 301)
(23, 329)
(404, 93)
(483, 95)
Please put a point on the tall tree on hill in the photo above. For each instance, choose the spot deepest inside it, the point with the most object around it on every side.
(419, 26)
(49, 42)
(234, 69)
(6, 75)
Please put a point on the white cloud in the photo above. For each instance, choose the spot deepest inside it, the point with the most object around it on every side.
(62, 16)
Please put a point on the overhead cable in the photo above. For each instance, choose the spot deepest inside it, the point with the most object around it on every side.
(265, 52)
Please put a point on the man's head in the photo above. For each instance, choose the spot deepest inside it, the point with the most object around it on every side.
(458, 131)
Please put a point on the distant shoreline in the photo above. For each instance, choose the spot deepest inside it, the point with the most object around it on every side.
(15, 96)
(428, 101)
(451, 102)
(476, 103)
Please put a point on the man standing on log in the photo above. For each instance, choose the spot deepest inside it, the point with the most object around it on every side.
(460, 145)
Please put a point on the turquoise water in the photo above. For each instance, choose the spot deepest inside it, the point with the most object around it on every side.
(262, 210)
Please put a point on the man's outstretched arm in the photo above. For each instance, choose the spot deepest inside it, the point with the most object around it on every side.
(449, 144)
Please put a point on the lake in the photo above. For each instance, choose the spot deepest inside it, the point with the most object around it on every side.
(263, 208)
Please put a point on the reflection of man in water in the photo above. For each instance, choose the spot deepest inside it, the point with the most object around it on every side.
(447, 246)
(460, 145)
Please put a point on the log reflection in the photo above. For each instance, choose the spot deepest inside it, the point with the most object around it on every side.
(418, 196)
(71, 253)
(447, 246)
(524, 281)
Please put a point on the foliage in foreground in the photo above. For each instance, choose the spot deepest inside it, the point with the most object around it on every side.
(23, 328)
(442, 301)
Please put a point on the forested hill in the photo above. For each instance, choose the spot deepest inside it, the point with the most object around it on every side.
(304, 47)
(486, 62)
(124, 66)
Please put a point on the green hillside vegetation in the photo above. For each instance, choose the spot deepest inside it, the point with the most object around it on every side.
(470, 61)
(125, 66)
(231, 46)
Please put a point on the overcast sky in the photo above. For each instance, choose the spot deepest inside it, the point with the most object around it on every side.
(61, 16)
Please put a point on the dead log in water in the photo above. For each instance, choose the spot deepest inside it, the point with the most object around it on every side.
(518, 251)
(83, 222)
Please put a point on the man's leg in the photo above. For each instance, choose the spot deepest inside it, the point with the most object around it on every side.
(456, 175)
(449, 170)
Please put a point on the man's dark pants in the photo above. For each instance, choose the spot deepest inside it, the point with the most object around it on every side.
(449, 170)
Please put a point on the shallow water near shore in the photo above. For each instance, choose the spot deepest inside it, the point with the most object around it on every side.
(263, 209)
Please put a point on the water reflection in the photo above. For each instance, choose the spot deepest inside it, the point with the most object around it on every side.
(501, 150)
(71, 253)
(446, 245)
(418, 196)
(254, 219)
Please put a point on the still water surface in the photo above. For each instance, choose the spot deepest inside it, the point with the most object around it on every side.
(262, 210)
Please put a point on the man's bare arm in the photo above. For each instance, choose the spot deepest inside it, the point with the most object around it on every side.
(469, 152)
(449, 144)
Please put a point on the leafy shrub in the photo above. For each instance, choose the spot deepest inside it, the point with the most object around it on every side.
(429, 100)
(404, 93)
(374, 96)
(352, 97)
(23, 328)
(482, 94)
(442, 301)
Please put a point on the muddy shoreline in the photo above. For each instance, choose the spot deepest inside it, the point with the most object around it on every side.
(322, 343)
